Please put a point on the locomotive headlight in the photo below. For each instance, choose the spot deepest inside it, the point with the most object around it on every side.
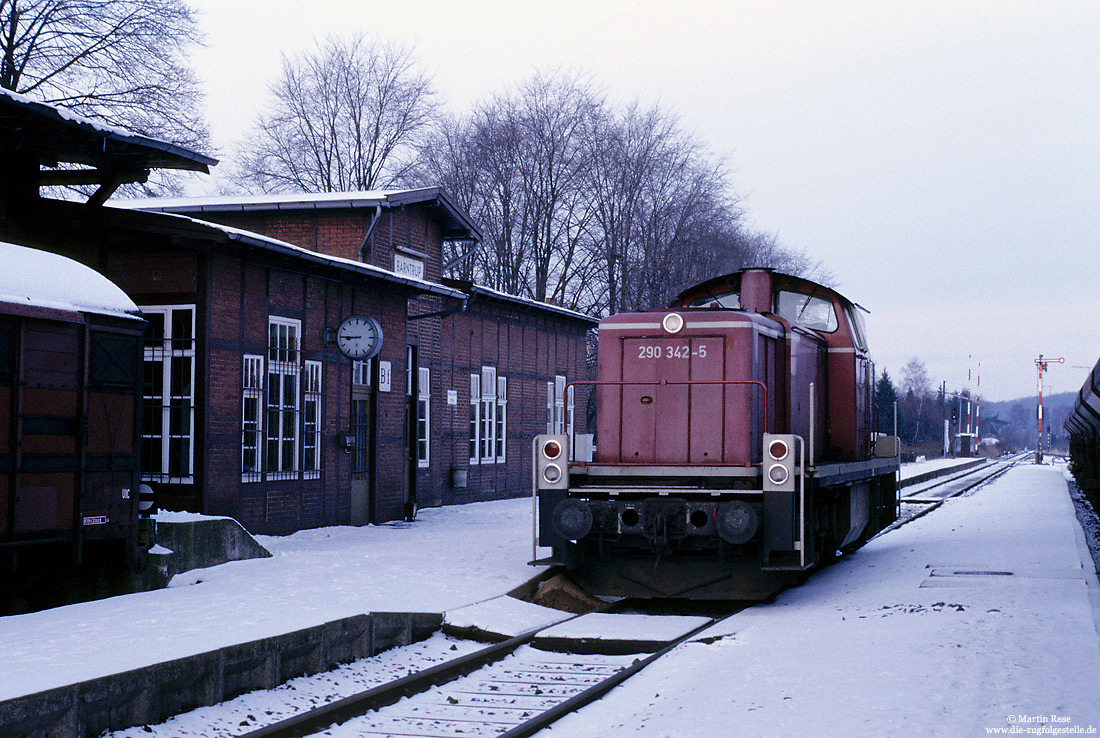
(673, 323)
(779, 462)
(551, 449)
(778, 474)
(551, 452)
(551, 473)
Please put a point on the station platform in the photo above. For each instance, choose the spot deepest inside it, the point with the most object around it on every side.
(979, 619)
(983, 611)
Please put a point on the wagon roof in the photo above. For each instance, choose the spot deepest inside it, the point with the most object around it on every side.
(39, 279)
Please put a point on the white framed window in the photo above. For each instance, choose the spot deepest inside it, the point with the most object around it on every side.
(252, 398)
(360, 373)
(487, 448)
(475, 417)
(283, 376)
(168, 403)
(502, 418)
(559, 405)
(282, 413)
(423, 415)
(311, 416)
(549, 407)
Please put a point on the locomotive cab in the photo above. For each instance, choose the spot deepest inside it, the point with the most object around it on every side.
(733, 445)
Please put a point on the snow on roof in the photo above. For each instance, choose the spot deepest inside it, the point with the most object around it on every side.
(192, 159)
(458, 221)
(32, 277)
(292, 201)
(481, 289)
(178, 207)
(273, 244)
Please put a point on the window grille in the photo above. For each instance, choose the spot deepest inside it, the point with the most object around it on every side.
(168, 403)
(283, 412)
(252, 397)
(475, 416)
(311, 436)
(423, 416)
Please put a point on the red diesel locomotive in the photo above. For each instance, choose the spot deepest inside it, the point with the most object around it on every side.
(735, 446)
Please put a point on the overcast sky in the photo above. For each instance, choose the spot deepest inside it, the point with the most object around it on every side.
(940, 157)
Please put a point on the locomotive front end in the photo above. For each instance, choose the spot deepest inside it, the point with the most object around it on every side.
(688, 494)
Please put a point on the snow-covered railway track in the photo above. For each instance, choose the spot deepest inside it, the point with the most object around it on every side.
(928, 497)
(955, 484)
(510, 689)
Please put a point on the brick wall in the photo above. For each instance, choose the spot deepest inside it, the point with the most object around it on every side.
(528, 347)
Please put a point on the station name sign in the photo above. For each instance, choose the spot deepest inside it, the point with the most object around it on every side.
(407, 267)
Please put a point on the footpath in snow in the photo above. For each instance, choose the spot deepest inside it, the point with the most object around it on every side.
(979, 619)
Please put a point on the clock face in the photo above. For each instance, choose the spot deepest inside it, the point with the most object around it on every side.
(359, 337)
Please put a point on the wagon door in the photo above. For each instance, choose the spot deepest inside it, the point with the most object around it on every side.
(49, 436)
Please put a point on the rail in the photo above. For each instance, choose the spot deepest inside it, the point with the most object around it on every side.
(556, 698)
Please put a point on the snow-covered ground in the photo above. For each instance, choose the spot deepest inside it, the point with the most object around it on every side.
(449, 557)
(912, 635)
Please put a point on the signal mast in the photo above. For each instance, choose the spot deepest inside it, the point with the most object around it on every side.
(1041, 366)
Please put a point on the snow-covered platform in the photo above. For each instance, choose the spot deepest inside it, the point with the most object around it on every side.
(922, 471)
(975, 619)
(448, 558)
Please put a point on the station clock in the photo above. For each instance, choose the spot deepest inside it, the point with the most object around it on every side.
(359, 337)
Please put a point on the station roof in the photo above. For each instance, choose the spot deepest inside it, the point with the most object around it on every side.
(474, 289)
(207, 229)
(457, 225)
(105, 155)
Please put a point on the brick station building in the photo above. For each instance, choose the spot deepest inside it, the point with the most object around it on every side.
(444, 414)
(250, 408)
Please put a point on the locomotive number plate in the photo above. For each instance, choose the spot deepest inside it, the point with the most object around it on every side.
(681, 351)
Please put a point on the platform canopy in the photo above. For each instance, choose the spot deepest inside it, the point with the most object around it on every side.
(43, 145)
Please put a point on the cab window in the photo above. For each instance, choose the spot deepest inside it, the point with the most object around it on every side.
(731, 300)
(859, 328)
(806, 310)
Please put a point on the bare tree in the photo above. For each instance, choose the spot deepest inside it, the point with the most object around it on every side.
(123, 62)
(917, 391)
(765, 250)
(597, 209)
(663, 213)
(449, 157)
(343, 117)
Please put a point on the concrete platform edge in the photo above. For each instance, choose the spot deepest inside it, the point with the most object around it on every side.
(152, 694)
(935, 474)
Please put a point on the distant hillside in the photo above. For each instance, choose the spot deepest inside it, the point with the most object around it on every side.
(1051, 403)
(1014, 421)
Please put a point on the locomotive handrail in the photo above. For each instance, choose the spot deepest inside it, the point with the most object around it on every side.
(661, 383)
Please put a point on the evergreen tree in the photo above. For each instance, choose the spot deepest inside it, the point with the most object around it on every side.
(885, 397)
